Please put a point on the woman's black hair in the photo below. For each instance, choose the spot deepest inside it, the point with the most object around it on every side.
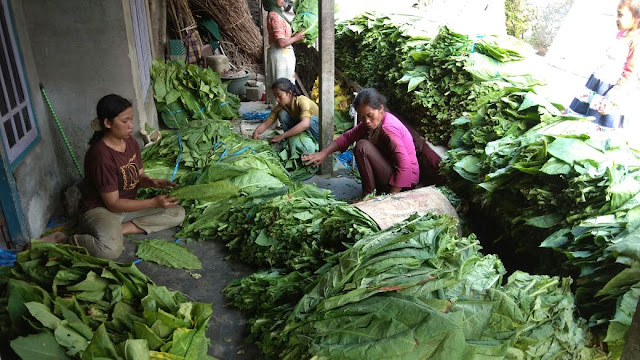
(284, 84)
(108, 107)
(371, 97)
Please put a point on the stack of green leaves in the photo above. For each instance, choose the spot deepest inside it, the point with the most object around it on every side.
(306, 20)
(371, 49)
(187, 92)
(418, 290)
(195, 142)
(59, 302)
(267, 298)
(223, 181)
(505, 112)
(443, 74)
(282, 231)
(447, 76)
(579, 188)
(291, 156)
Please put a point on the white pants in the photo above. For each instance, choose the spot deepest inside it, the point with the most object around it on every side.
(281, 63)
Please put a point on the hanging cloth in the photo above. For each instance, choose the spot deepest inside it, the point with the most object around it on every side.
(193, 44)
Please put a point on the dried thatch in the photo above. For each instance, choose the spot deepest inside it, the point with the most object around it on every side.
(235, 21)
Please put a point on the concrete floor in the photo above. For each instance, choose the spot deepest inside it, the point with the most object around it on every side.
(228, 325)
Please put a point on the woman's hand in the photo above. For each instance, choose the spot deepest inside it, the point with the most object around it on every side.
(162, 184)
(276, 139)
(314, 159)
(256, 134)
(298, 36)
(166, 202)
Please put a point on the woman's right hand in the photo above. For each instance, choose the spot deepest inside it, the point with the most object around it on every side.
(298, 36)
(256, 134)
(314, 159)
(165, 201)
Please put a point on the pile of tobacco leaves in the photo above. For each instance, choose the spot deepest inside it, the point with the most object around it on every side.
(58, 302)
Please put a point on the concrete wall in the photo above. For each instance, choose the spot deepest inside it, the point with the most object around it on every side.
(37, 174)
(80, 50)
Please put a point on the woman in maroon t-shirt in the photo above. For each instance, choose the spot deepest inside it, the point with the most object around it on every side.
(112, 175)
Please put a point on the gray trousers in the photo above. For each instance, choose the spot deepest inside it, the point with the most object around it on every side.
(101, 229)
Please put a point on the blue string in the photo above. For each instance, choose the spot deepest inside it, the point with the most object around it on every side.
(173, 111)
(243, 150)
(175, 170)
(223, 155)
(224, 103)
(201, 110)
(473, 46)
(216, 144)
(307, 13)
(177, 240)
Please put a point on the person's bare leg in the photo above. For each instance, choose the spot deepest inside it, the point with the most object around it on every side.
(57, 237)
(131, 228)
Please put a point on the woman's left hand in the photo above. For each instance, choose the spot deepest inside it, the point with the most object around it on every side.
(276, 139)
(162, 184)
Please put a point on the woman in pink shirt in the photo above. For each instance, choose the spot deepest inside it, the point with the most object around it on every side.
(385, 153)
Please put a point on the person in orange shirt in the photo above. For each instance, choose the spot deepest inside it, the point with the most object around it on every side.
(281, 60)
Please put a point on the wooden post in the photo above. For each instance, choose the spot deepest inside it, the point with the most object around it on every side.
(265, 39)
(327, 79)
(158, 15)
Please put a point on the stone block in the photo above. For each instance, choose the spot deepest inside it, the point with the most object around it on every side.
(253, 93)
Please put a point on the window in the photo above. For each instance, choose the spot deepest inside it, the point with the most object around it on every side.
(16, 117)
(143, 46)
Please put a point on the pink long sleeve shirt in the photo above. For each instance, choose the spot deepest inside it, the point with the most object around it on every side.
(396, 145)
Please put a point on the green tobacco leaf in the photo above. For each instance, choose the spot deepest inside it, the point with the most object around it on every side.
(142, 331)
(215, 191)
(93, 282)
(182, 339)
(70, 339)
(157, 355)
(168, 254)
(264, 239)
(101, 346)
(43, 314)
(545, 221)
(136, 349)
(38, 346)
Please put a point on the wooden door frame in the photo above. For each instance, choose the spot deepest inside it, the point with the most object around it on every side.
(11, 206)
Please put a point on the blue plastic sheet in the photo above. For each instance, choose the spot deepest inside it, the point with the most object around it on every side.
(256, 115)
(346, 158)
(7, 257)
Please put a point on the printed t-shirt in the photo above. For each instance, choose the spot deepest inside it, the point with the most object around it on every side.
(107, 170)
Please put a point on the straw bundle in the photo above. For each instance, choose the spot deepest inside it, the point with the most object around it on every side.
(238, 57)
(235, 20)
